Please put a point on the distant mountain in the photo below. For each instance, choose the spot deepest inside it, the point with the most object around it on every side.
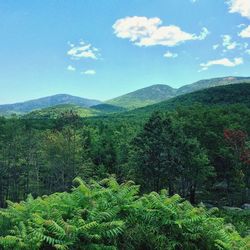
(28, 106)
(209, 83)
(139, 98)
(220, 95)
(144, 96)
(161, 92)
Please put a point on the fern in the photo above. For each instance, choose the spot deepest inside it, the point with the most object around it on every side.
(107, 215)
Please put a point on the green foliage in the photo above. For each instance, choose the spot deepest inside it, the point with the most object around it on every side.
(159, 92)
(165, 156)
(108, 108)
(107, 215)
(184, 150)
(56, 111)
(237, 217)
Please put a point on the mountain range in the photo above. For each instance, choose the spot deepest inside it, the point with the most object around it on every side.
(161, 92)
(219, 95)
(137, 99)
(45, 102)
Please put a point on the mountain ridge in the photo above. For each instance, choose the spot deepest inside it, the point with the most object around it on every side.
(133, 100)
(127, 100)
(220, 95)
(46, 102)
(144, 96)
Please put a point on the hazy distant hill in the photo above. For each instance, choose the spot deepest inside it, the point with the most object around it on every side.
(160, 92)
(28, 106)
(220, 95)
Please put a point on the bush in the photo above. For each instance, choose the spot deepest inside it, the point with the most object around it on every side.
(107, 215)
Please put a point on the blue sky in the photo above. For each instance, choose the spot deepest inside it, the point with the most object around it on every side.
(104, 48)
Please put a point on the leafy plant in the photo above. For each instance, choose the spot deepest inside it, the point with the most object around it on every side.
(108, 215)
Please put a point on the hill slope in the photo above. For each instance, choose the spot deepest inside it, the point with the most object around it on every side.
(213, 82)
(139, 98)
(221, 95)
(143, 97)
(108, 108)
(56, 111)
(158, 93)
(28, 106)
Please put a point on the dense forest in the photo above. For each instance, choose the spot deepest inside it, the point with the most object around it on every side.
(199, 152)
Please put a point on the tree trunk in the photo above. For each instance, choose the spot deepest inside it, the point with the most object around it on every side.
(192, 197)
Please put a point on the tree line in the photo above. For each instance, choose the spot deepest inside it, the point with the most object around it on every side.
(201, 153)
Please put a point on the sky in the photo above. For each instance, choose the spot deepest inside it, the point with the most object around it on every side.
(105, 48)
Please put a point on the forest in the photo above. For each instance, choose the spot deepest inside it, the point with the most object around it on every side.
(125, 125)
(163, 180)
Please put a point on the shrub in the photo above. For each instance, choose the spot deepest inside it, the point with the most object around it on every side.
(107, 215)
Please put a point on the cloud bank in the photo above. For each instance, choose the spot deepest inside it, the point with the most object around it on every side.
(240, 6)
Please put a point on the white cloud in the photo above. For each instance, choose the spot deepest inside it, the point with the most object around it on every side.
(245, 33)
(240, 6)
(169, 54)
(224, 62)
(83, 50)
(245, 45)
(228, 43)
(204, 33)
(89, 72)
(193, 1)
(241, 25)
(216, 46)
(143, 31)
(71, 68)
(247, 51)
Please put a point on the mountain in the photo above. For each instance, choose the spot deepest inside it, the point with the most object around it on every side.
(139, 98)
(45, 102)
(220, 95)
(160, 92)
(143, 97)
(209, 83)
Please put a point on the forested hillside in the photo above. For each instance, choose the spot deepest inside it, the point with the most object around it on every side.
(144, 97)
(43, 156)
(221, 95)
(160, 92)
(139, 98)
(198, 151)
(125, 125)
(56, 111)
